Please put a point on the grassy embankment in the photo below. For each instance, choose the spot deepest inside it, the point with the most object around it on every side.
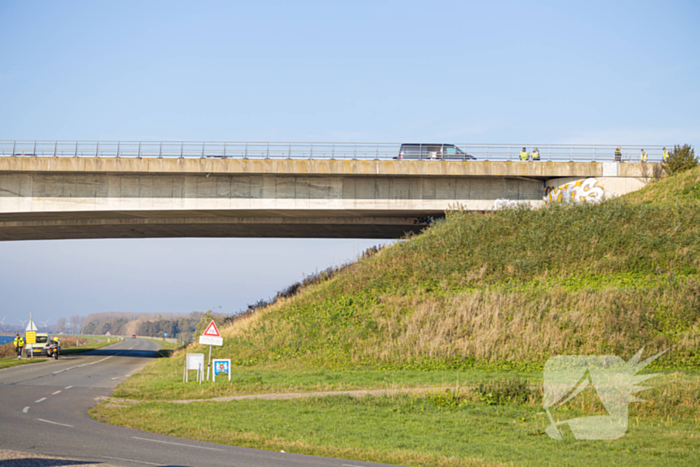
(476, 297)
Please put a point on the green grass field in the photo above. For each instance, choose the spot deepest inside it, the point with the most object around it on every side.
(440, 428)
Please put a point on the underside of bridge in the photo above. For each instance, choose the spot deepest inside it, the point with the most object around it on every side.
(164, 224)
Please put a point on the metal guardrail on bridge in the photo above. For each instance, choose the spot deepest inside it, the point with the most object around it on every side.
(310, 150)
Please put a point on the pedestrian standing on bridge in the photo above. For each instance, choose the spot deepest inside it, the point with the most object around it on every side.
(19, 345)
(666, 155)
(618, 154)
(644, 156)
(524, 155)
(536, 155)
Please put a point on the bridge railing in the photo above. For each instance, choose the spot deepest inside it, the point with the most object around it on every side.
(311, 150)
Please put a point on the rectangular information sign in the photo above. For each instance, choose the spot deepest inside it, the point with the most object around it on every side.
(209, 340)
(222, 366)
(31, 337)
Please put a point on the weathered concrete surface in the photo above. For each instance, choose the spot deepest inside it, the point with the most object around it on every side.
(114, 198)
(309, 167)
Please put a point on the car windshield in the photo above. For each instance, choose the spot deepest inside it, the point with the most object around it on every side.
(42, 339)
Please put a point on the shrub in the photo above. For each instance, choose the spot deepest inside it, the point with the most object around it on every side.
(681, 159)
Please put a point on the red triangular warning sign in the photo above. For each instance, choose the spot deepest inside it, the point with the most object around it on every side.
(212, 330)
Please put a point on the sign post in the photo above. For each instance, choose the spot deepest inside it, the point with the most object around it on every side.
(31, 334)
(211, 336)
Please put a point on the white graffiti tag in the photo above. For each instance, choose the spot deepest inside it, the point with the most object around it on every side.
(590, 190)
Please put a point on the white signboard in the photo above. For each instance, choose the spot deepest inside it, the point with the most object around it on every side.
(209, 340)
(194, 361)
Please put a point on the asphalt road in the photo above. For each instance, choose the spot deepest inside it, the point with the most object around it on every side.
(43, 410)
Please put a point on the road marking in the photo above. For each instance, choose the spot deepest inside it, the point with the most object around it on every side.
(68, 387)
(351, 465)
(84, 364)
(26, 409)
(179, 444)
(54, 423)
(131, 460)
(57, 392)
(40, 400)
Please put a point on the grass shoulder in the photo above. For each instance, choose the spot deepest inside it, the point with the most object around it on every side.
(463, 426)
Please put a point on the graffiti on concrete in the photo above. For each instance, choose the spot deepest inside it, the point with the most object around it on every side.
(588, 190)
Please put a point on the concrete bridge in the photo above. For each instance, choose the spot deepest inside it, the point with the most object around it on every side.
(74, 197)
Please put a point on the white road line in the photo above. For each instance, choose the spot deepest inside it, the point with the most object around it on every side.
(179, 444)
(54, 423)
(40, 400)
(68, 387)
(351, 465)
(131, 460)
(84, 364)
(57, 392)
(26, 409)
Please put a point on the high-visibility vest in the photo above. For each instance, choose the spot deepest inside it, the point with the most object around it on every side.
(644, 156)
(19, 342)
(535, 155)
(524, 155)
(666, 156)
(618, 155)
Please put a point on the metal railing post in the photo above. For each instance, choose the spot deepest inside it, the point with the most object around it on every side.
(14, 145)
(203, 143)
(34, 150)
(245, 151)
(487, 152)
(55, 148)
(595, 155)
(160, 150)
(332, 151)
(354, 151)
(76, 150)
(311, 150)
(182, 148)
(571, 156)
(224, 149)
(289, 151)
(97, 149)
(267, 151)
(376, 155)
(139, 152)
(118, 144)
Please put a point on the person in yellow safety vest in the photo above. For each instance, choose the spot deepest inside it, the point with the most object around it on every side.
(58, 344)
(524, 155)
(666, 155)
(618, 154)
(19, 345)
(536, 155)
(644, 156)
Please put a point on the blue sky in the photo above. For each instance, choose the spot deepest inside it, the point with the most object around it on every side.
(482, 72)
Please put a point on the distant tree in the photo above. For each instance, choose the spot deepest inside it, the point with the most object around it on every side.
(76, 322)
(682, 158)
(61, 324)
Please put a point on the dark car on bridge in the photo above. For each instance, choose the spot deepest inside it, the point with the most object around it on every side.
(433, 152)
